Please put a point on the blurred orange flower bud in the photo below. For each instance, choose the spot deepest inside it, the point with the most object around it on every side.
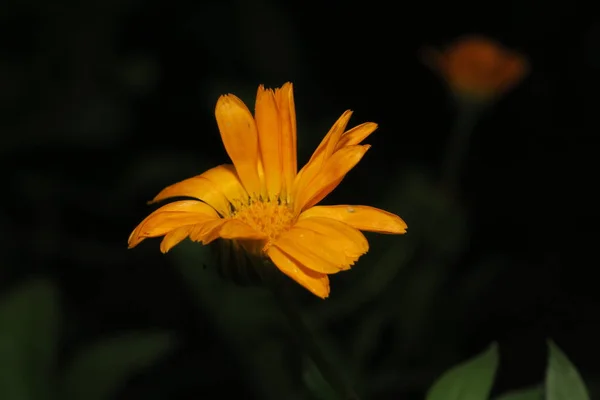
(477, 68)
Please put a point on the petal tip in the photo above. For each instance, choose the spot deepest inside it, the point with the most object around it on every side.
(322, 294)
(132, 242)
(133, 239)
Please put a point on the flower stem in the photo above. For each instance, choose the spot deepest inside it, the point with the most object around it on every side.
(458, 144)
(307, 339)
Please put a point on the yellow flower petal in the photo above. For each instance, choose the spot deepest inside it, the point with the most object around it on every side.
(334, 170)
(207, 232)
(226, 179)
(322, 153)
(284, 97)
(333, 136)
(238, 132)
(364, 218)
(236, 229)
(300, 251)
(356, 135)
(343, 237)
(170, 217)
(315, 282)
(323, 245)
(219, 186)
(329, 142)
(269, 139)
(174, 237)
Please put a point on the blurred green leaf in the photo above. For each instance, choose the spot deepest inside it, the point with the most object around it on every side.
(417, 305)
(314, 381)
(435, 219)
(471, 380)
(563, 381)
(97, 373)
(29, 321)
(534, 393)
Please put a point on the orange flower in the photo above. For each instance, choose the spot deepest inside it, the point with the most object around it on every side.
(262, 205)
(478, 68)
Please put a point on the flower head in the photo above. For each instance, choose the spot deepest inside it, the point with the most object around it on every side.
(263, 206)
(477, 68)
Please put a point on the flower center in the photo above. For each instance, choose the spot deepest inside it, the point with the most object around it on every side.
(268, 217)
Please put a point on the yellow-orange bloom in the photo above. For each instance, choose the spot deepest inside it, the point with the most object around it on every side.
(477, 68)
(264, 205)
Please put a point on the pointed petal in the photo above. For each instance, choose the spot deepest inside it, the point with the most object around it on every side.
(207, 232)
(219, 186)
(315, 282)
(334, 170)
(323, 245)
(333, 136)
(364, 218)
(329, 142)
(322, 153)
(284, 97)
(356, 135)
(269, 139)
(170, 217)
(238, 132)
(174, 237)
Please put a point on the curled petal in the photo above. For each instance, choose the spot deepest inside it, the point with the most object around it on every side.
(207, 232)
(323, 245)
(315, 282)
(219, 186)
(174, 237)
(364, 218)
(171, 217)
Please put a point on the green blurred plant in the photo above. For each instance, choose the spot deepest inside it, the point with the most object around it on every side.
(30, 321)
(474, 380)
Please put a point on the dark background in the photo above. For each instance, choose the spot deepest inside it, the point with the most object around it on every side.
(105, 103)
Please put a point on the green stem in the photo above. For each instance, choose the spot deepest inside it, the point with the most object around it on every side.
(458, 145)
(309, 342)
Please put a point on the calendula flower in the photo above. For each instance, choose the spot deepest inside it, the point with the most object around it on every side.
(262, 206)
(477, 68)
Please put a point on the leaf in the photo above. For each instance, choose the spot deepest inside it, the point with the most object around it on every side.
(433, 217)
(29, 320)
(99, 371)
(471, 380)
(563, 381)
(534, 393)
(316, 384)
